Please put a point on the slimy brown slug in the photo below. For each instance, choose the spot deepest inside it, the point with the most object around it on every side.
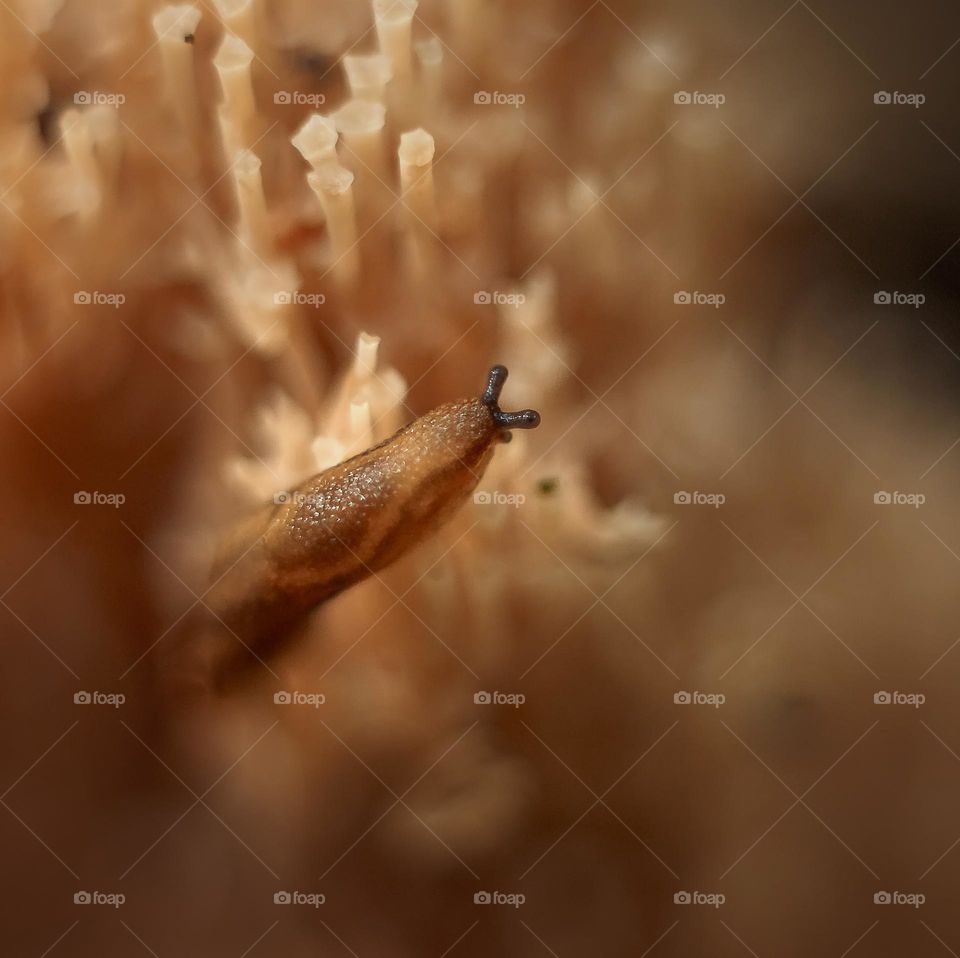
(348, 522)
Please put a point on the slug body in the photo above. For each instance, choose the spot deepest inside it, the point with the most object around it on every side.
(348, 522)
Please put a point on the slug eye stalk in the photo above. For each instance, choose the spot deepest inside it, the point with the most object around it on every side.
(524, 419)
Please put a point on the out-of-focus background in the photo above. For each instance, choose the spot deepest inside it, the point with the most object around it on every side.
(681, 678)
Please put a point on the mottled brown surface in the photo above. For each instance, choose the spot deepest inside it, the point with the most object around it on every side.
(338, 528)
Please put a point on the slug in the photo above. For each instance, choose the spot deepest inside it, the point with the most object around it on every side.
(348, 522)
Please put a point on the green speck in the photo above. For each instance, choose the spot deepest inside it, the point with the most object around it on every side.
(547, 486)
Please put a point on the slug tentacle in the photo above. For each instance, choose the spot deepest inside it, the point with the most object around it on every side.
(346, 523)
(524, 419)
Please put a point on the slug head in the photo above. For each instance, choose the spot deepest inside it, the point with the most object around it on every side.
(464, 432)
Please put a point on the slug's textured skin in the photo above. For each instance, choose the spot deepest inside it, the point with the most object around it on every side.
(350, 521)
